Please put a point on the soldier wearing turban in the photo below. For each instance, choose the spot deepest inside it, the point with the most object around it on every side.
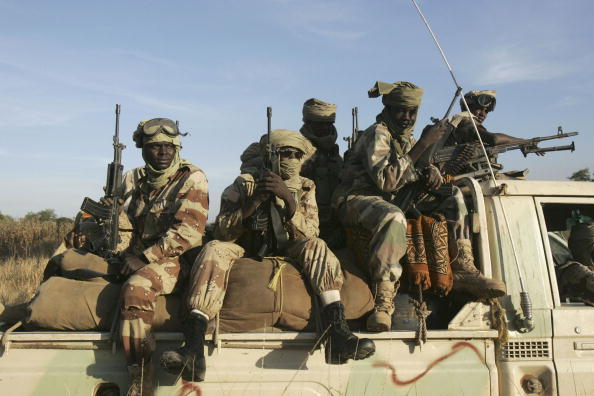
(324, 166)
(382, 161)
(276, 210)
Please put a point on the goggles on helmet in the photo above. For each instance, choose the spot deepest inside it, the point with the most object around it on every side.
(160, 125)
(486, 101)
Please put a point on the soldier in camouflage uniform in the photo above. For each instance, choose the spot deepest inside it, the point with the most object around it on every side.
(168, 206)
(381, 163)
(324, 166)
(164, 215)
(292, 231)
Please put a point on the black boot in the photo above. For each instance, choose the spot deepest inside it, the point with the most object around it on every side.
(189, 360)
(342, 344)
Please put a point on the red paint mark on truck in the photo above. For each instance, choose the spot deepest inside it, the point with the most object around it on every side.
(189, 388)
(457, 347)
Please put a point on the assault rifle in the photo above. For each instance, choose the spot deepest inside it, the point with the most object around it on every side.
(354, 129)
(469, 157)
(107, 216)
(267, 220)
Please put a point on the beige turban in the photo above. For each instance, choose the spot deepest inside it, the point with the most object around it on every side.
(401, 93)
(489, 92)
(286, 138)
(318, 110)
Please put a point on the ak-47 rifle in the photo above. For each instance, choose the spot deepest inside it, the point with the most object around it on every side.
(107, 216)
(467, 159)
(354, 130)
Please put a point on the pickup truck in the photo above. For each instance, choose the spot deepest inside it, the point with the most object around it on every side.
(548, 351)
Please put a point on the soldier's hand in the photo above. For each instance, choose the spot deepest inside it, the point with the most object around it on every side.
(273, 183)
(75, 240)
(432, 177)
(432, 133)
(109, 202)
(131, 264)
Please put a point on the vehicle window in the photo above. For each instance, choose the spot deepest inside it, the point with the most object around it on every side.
(570, 231)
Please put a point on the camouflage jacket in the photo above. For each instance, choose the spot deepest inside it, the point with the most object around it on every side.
(229, 225)
(324, 168)
(169, 221)
(378, 165)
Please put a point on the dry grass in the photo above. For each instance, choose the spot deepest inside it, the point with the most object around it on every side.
(25, 247)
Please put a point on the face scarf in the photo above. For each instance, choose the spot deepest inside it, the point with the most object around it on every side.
(290, 167)
(325, 143)
(157, 178)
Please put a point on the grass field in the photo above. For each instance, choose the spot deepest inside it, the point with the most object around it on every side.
(25, 247)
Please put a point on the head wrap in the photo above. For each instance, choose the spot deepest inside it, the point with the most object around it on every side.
(157, 178)
(401, 93)
(289, 168)
(472, 96)
(287, 138)
(318, 110)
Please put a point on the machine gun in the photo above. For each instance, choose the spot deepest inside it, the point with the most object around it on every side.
(107, 216)
(468, 159)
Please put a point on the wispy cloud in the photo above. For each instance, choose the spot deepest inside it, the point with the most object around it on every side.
(507, 64)
(336, 20)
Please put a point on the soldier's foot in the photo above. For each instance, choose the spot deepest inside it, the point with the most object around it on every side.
(479, 286)
(191, 365)
(342, 344)
(142, 380)
(11, 314)
(379, 321)
(189, 361)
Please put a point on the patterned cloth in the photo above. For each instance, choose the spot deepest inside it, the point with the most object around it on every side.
(210, 270)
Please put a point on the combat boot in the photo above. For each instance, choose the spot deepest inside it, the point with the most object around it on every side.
(468, 279)
(342, 344)
(10, 314)
(142, 380)
(381, 317)
(189, 360)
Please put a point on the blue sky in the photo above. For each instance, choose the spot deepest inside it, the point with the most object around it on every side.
(215, 66)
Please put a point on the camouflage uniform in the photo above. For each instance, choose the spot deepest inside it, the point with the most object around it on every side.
(166, 223)
(377, 168)
(210, 271)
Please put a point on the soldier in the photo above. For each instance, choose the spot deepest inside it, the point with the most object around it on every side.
(324, 166)
(291, 231)
(166, 203)
(480, 104)
(573, 264)
(382, 162)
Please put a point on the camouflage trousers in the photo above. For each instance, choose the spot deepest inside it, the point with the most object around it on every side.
(210, 272)
(387, 225)
(576, 282)
(138, 298)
